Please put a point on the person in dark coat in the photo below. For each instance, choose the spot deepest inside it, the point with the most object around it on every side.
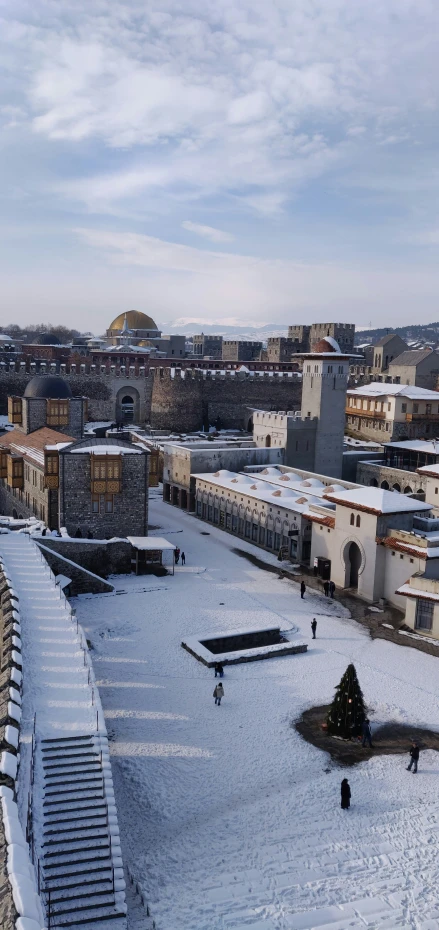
(217, 668)
(331, 589)
(414, 756)
(345, 795)
(326, 588)
(367, 733)
(314, 628)
(302, 589)
(89, 534)
(78, 534)
(183, 559)
(221, 670)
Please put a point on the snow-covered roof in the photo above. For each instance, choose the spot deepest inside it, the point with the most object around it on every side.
(294, 482)
(109, 450)
(377, 389)
(376, 500)
(431, 471)
(415, 445)
(408, 591)
(148, 543)
(295, 499)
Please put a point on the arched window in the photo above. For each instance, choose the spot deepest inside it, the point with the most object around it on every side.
(408, 490)
(385, 485)
(396, 487)
(352, 519)
(373, 483)
(358, 520)
(268, 441)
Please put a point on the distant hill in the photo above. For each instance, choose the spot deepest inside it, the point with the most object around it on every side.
(423, 333)
(238, 331)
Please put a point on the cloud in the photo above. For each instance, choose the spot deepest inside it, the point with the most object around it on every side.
(207, 232)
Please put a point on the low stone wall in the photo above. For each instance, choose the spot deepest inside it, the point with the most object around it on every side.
(103, 557)
(82, 581)
(371, 471)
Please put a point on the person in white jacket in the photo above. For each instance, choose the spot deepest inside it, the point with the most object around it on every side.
(218, 693)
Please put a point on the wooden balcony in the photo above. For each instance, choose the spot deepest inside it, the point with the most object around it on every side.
(370, 414)
(422, 417)
(15, 472)
(3, 464)
(15, 410)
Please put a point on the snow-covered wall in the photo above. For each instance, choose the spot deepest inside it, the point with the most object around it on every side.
(20, 905)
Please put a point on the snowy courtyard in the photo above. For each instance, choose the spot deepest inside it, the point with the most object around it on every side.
(228, 819)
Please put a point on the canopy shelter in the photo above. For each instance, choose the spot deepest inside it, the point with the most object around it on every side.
(151, 553)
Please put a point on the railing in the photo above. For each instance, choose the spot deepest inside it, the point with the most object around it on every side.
(372, 414)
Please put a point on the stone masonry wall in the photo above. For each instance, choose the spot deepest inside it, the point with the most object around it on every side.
(367, 471)
(202, 399)
(82, 581)
(102, 557)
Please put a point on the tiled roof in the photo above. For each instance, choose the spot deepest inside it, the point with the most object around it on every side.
(391, 543)
(32, 445)
(326, 521)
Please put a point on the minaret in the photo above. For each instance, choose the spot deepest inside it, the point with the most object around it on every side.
(125, 332)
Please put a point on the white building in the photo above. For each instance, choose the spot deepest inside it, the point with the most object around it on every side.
(389, 412)
(421, 593)
(374, 540)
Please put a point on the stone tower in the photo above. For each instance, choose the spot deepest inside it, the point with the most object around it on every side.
(325, 379)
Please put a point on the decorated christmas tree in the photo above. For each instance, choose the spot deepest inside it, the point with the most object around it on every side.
(347, 712)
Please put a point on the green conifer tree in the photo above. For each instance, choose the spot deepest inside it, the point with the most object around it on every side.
(347, 712)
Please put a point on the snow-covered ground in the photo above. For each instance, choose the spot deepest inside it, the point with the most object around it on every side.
(228, 819)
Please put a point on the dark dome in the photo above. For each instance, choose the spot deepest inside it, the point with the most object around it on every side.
(48, 386)
(47, 339)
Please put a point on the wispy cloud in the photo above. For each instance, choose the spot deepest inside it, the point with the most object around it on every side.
(207, 232)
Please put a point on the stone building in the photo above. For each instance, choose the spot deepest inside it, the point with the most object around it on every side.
(392, 412)
(402, 467)
(281, 349)
(94, 485)
(385, 350)
(416, 366)
(421, 594)
(240, 350)
(211, 346)
(182, 461)
(299, 336)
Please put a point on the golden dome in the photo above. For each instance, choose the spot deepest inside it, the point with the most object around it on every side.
(135, 320)
(144, 343)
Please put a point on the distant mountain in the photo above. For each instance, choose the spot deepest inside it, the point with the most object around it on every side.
(238, 330)
(422, 333)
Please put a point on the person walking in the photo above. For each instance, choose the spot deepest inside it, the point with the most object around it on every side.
(218, 693)
(414, 756)
(177, 555)
(345, 795)
(367, 733)
(183, 559)
(314, 628)
(302, 589)
(331, 589)
(326, 588)
(221, 670)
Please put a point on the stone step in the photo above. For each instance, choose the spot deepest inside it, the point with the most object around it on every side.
(75, 810)
(89, 918)
(92, 759)
(81, 845)
(74, 873)
(64, 895)
(77, 800)
(85, 754)
(67, 739)
(62, 884)
(90, 769)
(87, 782)
(69, 861)
(87, 779)
(66, 908)
(85, 822)
(100, 834)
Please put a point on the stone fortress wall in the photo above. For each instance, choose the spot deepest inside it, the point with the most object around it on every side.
(174, 399)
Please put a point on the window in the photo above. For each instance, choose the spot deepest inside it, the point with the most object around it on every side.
(269, 539)
(105, 468)
(15, 414)
(358, 520)
(262, 536)
(228, 521)
(234, 524)
(415, 408)
(424, 614)
(428, 409)
(255, 532)
(215, 515)
(57, 412)
(401, 556)
(210, 512)
(352, 519)
(104, 503)
(247, 529)
(277, 541)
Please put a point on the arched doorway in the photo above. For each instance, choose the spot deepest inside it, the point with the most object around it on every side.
(408, 490)
(268, 441)
(396, 487)
(373, 483)
(14, 514)
(127, 408)
(353, 564)
(250, 425)
(385, 485)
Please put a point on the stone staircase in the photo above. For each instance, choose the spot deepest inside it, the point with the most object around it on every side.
(80, 865)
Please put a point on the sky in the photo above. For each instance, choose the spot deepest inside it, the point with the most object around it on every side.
(236, 160)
